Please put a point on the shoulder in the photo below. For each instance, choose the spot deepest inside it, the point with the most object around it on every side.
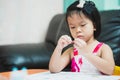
(106, 47)
(103, 45)
(106, 50)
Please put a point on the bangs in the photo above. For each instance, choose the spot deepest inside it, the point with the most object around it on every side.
(70, 13)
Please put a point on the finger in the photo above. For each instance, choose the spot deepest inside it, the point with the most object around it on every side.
(64, 40)
(67, 38)
(79, 43)
(82, 42)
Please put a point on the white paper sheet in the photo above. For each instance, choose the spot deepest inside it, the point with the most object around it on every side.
(69, 76)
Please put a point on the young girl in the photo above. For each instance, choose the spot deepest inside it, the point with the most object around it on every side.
(87, 54)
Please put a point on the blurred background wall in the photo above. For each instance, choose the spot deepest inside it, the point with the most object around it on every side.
(26, 21)
(101, 4)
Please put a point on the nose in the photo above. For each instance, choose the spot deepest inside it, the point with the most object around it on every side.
(79, 29)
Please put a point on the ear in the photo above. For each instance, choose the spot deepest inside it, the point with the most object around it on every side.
(94, 29)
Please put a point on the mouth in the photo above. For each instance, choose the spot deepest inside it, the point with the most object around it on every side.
(80, 37)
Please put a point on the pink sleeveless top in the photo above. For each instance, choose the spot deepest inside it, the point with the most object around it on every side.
(80, 64)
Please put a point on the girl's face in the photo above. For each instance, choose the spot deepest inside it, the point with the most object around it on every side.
(81, 27)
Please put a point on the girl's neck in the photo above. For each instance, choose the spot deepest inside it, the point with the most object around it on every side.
(92, 41)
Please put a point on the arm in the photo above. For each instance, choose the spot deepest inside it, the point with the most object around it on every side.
(58, 60)
(105, 63)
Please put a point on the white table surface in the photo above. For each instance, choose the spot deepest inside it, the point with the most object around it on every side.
(69, 76)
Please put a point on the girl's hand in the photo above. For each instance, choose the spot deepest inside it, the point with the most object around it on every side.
(64, 41)
(80, 45)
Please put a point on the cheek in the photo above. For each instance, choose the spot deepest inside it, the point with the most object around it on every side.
(73, 33)
(89, 28)
(89, 32)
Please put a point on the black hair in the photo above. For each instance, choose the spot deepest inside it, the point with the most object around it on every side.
(89, 10)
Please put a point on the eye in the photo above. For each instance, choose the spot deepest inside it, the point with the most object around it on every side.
(72, 27)
(83, 25)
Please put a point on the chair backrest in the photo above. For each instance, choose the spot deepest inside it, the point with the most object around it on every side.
(53, 29)
(110, 33)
